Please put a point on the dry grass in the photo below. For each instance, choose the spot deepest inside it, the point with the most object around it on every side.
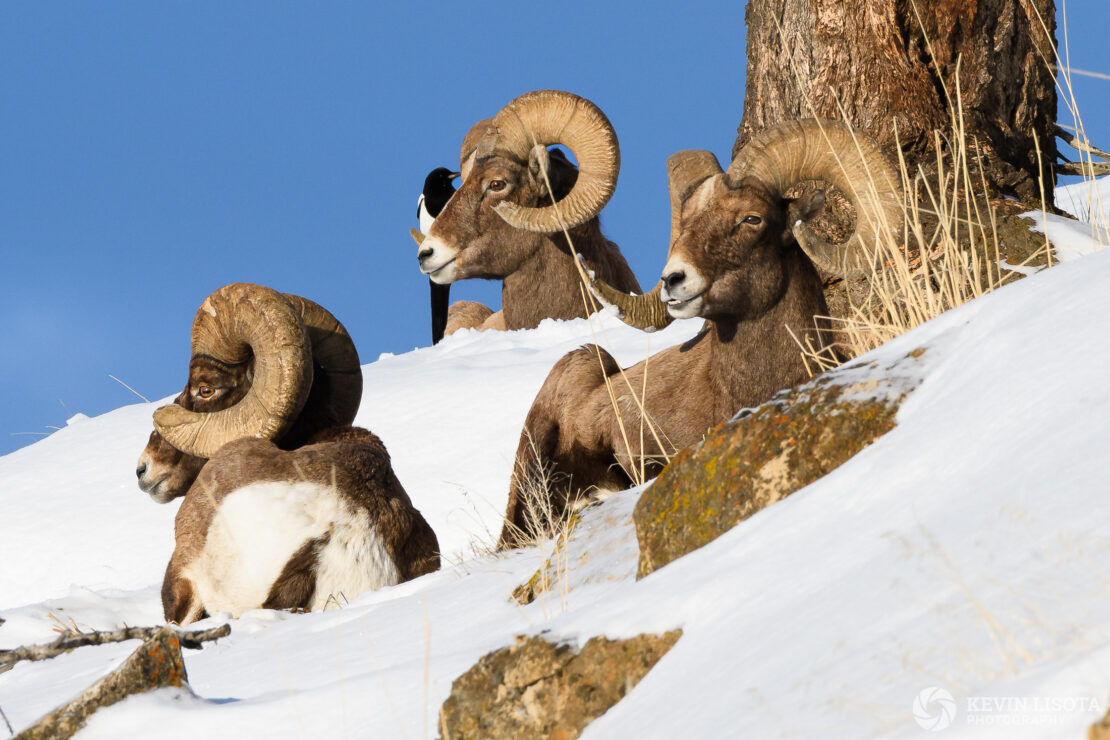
(538, 488)
(62, 627)
(948, 253)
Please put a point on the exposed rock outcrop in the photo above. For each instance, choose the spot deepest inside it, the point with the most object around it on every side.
(157, 663)
(538, 689)
(762, 456)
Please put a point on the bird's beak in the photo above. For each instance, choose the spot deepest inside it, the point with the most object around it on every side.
(455, 174)
(416, 236)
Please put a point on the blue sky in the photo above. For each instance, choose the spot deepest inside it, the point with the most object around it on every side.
(150, 153)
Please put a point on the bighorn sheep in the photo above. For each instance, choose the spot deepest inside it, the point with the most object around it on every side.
(286, 505)
(501, 224)
(742, 257)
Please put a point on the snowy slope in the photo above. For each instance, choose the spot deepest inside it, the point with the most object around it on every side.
(964, 550)
(1089, 202)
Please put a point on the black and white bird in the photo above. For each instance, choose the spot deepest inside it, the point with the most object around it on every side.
(438, 189)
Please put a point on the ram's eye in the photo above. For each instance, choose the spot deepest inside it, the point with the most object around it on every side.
(497, 185)
(205, 391)
(753, 220)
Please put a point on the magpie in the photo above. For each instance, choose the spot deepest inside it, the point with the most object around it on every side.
(438, 189)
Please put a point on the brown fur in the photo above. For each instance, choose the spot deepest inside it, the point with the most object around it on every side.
(760, 282)
(473, 315)
(351, 458)
(296, 585)
(178, 599)
(467, 315)
(537, 270)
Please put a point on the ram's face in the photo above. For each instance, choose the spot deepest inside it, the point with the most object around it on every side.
(166, 472)
(470, 239)
(726, 260)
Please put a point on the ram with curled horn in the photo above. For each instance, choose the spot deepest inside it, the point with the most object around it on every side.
(741, 257)
(286, 504)
(501, 224)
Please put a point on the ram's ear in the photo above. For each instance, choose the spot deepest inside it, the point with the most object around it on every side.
(561, 173)
(803, 208)
(539, 163)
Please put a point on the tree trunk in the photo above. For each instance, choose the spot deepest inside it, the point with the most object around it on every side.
(872, 57)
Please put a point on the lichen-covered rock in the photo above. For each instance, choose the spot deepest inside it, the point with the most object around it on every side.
(155, 664)
(538, 689)
(745, 465)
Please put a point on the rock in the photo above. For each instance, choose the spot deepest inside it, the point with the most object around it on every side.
(1100, 730)
(762, 456)
(155, 664)
(536, 688)
(527, 592)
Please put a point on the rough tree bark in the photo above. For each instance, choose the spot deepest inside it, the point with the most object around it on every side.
(873, 56)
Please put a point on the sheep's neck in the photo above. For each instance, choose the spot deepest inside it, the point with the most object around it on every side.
(545, 285)
(752, 360)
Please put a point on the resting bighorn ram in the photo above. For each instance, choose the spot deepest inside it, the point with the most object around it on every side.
(501, 224)
(742, 257)
(286, 505)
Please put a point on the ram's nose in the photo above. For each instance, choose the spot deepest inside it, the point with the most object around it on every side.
(673, 279)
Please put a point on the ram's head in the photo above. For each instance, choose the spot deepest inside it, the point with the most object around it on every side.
(264, 364)
(489, 227)
(730, 229)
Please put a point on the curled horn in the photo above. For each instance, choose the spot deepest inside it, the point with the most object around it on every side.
(548, 117)
(234, 323)
(337, 374)
(843, 157)
(686, 170)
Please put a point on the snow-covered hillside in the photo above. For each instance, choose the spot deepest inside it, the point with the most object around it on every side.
(964, 551)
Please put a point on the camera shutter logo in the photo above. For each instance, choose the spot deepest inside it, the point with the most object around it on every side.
(934, 709)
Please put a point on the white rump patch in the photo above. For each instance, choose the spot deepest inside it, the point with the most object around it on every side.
(257, 528)
(353, 561)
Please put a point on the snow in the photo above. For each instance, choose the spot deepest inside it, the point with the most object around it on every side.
(964, 551)
(1089, 202)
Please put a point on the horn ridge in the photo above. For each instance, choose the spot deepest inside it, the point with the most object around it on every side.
(844, 157)
(233, 324)
(338, 371)
(549, 117)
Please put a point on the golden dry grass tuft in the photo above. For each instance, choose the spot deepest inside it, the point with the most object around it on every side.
(948, 249)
